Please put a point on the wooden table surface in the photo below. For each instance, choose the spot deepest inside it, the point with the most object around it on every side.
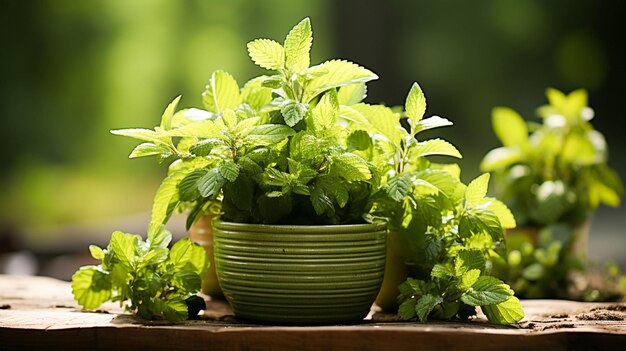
(38, 313)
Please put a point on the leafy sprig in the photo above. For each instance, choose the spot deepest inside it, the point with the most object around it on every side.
(156, 280)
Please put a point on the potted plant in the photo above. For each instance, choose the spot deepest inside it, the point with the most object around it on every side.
(306, 177)
(553, 175)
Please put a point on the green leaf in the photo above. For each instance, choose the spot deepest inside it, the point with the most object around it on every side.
(467, 260)
(268, 134)
(325, 114)
(91, 287)
(190, 115)
(441, 271)
(415, 106)
(160, 237)
(166, 199)
(273, 82)
(507, 312)
(221, 93)
(570, 105)
(352, 115)
(229, 170)
(477, 189)
(166, 118)
(245, 126)
(96, 252)
(202, 129)
(203, 147)
(188, 186)
(174, 310)
(425, 305)
(406, 311)
(509, 126)
(211, 183)
(477, 220)
(340, 73)
(145, 135)
(442, 180)
(578, 150)
(305, 146)
(487, 291)
(198, 260)
(267, 54)
(298, 45)
(125, 247)
(500, 158)
(468, 279)
(600, 193)
(229, 118)
(149, 149)
(255, 94)
(154, 256)
(360, 140)
(430, 123)
(507, 220)
(381, 120)
(275, 177)
(399, 187)
(120, 278)
(321, 202)
(555, 97)
(187, 280)
(293, 112)
(434, 147)
(315, 72)
(351, 94)
(180, 253)
(351, 167)
(333, 186)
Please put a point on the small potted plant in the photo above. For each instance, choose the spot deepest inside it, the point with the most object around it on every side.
(305, 177)
(553, 175)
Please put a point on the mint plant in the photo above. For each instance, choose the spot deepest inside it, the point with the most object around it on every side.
(299, 146)
(451, 274)
(556, 171)
(553, 175)
(452, 230)
(158, 281)
(273, 151)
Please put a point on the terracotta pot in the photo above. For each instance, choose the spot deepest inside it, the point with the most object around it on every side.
(201, 232)
(395, 272)
(300, 274)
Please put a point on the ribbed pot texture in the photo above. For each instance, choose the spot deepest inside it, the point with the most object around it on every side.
(299, 274)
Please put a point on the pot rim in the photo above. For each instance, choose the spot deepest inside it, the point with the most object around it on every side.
(296, 229)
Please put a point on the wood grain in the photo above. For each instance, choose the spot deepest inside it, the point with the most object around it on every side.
(39, 313)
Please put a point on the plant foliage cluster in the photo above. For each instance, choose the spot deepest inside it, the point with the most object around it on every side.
(158, 281)
(299, 146)
(553, 175)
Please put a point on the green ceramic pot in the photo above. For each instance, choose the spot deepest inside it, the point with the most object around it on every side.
(299, 274)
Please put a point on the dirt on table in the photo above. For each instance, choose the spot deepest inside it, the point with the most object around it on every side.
(608, 316)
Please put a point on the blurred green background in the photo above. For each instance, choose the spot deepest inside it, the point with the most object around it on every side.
(73, 70)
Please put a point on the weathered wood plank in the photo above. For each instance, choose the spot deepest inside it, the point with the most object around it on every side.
(41, 314)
